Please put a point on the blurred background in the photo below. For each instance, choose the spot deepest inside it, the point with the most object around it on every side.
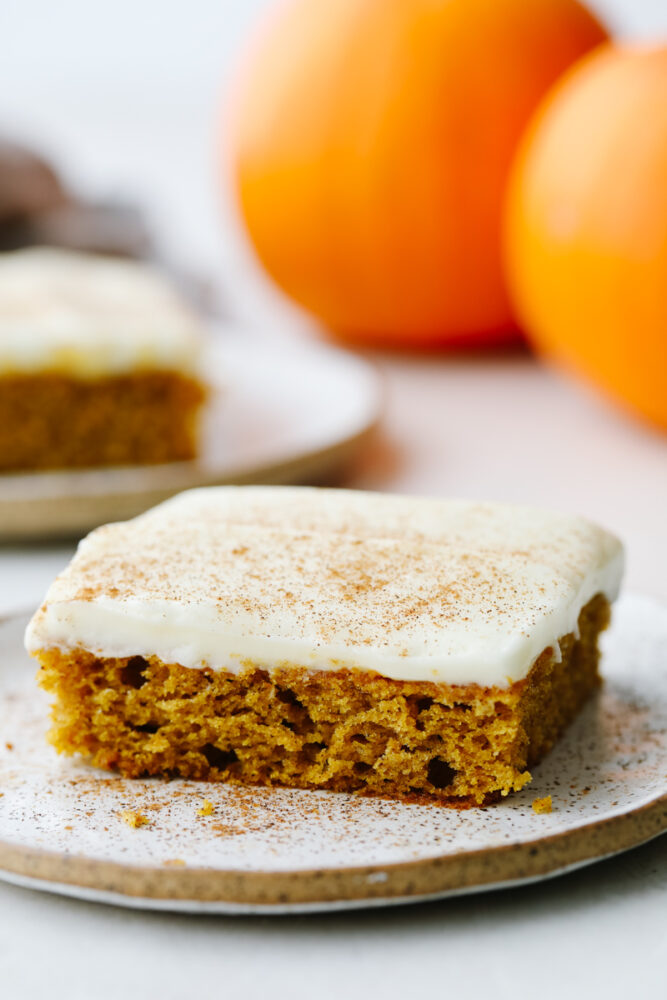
(127, 99)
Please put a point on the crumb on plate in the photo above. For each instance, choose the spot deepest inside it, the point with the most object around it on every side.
(134, 819)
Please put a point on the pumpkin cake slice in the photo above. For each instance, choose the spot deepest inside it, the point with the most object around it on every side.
(99, 363)
(326, 639)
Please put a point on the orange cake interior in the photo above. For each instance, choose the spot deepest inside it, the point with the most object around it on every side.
(52, 421)
(346, 731)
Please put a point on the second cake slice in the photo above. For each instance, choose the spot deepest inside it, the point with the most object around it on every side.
(99, 364)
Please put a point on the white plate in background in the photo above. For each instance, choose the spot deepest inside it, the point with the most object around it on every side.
(276, 415)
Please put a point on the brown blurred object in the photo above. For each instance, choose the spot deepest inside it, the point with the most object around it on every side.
(111, 228)
(36, 209)
(28, 183)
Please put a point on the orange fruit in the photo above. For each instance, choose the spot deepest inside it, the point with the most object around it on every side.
(372, 141)
(587, 226)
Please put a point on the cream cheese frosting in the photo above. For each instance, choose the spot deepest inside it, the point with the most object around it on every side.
(414, 589)
(90, 316)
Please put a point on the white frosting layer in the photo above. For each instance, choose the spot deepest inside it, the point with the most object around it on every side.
(414, 589)
(90, 316)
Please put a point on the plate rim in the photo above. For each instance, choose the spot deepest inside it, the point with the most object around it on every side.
(420, 880)
(313, 889)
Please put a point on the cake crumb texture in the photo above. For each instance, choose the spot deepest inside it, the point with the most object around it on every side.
(51, 420)
(542, 805)
(344, 730)
(134, 819)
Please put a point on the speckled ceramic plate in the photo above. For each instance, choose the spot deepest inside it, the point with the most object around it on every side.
(211, 848)
(276, 415)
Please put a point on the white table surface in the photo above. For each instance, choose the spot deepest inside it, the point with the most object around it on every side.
(132, 90)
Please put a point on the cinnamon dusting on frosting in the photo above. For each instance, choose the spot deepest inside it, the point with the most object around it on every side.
(395, 584)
